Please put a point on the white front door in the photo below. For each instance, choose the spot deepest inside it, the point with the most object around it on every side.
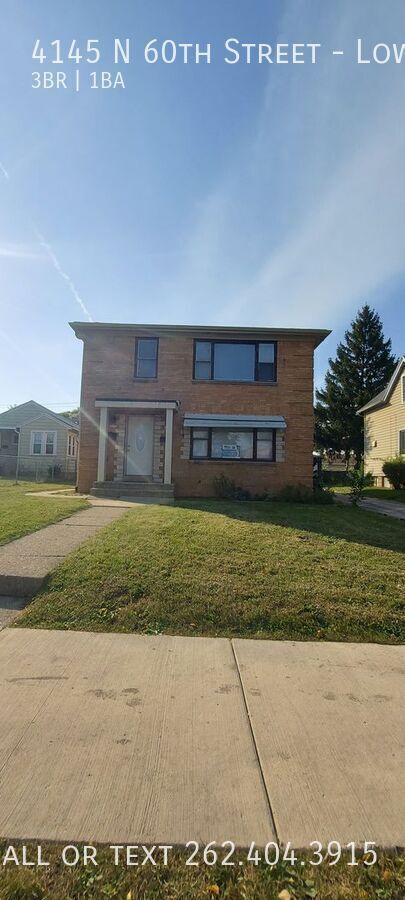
(139, 456)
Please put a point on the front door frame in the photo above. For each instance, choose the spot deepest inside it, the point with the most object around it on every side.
(105, 405)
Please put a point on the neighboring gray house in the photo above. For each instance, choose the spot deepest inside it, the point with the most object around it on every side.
(37, 443)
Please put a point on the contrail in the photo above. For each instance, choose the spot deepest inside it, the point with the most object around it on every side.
(54, 260)
(57, 266)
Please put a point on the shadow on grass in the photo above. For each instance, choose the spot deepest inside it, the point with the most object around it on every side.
(344, 523)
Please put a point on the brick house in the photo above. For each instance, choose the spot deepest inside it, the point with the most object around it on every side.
(166, 408)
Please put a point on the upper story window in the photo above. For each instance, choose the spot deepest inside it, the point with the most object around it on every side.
(403, 388)
(146, 357)
(245, 361)
(43, 443)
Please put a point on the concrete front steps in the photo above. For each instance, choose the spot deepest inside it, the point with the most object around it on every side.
(137, 491)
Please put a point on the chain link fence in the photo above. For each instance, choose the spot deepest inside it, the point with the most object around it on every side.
(41, 468)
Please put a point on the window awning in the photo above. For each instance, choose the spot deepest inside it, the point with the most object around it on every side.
(206, 420)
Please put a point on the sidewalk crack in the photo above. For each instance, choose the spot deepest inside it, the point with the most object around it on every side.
(259, 762)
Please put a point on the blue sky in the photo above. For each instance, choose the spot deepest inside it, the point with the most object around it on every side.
(257, 195)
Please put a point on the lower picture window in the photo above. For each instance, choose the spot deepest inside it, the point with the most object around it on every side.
(219, 443)
(232, 444)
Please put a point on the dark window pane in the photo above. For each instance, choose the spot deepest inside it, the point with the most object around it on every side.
(37, 442)
(402, 442)
(234, 362)
(147, 348)
(146, 358)
(203, 351)
(202, 371)
(49, 444)
(146, 368)
(265, 372)
(200, 433)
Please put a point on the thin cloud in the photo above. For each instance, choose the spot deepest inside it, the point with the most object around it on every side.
(308, 221)
(4, 172)
(18, 251)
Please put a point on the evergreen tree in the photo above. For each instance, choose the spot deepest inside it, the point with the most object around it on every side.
(362, 368)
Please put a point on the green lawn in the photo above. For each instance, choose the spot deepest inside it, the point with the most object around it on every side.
(379, 493)
(20, 515)
(384, 880)
(263, 570)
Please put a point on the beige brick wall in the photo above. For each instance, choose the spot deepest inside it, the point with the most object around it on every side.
(108, 372)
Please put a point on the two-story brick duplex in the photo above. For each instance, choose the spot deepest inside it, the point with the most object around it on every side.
(165, 408)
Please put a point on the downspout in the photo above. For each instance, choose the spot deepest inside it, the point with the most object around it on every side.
(17, 466)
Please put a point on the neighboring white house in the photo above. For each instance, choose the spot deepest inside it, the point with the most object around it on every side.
(36, 442)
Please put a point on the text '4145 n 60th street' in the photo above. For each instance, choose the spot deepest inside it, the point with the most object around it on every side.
(74, 64)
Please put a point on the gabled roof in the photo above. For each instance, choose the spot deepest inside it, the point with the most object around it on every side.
(383, 397)
(26, 412)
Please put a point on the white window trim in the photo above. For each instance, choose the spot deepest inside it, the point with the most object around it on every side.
(400, 453)
(43, 442)
(403, 388)
(72, 442)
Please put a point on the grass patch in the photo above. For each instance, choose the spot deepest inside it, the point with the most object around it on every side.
(384, 880)
(262, 570)
(378, 493)
(21, 515)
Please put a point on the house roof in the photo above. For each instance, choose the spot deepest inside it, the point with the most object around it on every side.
(316, 335)
(20, 415)
(383, 397)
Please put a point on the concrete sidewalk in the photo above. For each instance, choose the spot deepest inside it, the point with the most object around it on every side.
(128, 738)
(25, 562)
(389, 508)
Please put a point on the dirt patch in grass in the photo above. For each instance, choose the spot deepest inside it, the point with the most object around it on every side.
(265, 570)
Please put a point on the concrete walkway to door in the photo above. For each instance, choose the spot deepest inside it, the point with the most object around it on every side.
(26, 562)
(389, 508)
(123, 738)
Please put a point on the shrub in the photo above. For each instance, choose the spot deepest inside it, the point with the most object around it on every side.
(358, 481)
(227, 489)
(300, 493)
(394, 469)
